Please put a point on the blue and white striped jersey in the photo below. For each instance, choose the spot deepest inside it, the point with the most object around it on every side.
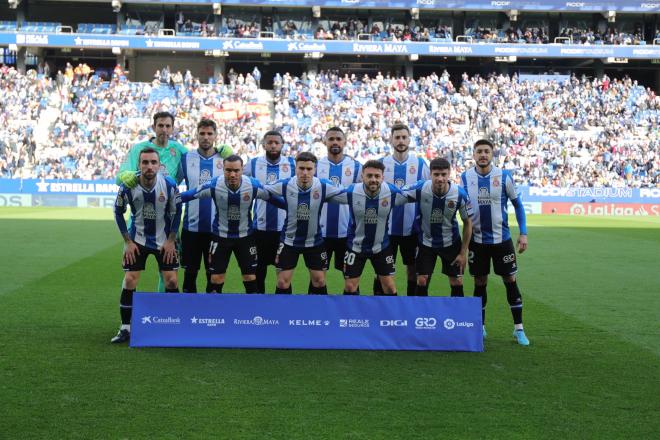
(303, 210)
(334, 217)
(267, 216)
(233, 217)
(369, 216)
(402, 174)
(437, 214)
(198, 170)
(489, 195)
(155, 212)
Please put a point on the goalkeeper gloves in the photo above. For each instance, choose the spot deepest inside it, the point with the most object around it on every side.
(129, 178)
(224, 150)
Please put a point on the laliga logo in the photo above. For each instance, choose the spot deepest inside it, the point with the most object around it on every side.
(577, 209)
(449, 323)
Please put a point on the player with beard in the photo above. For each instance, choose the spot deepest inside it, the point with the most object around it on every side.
(402, 169)
(268, 219)
(490, 188)
(199, 167)
(439, 201)
(304, 196)
(341, 170)
(155, 216)
(370, 204)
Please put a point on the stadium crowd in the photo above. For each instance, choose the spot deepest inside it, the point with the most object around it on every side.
(78, 109)
(583, 132)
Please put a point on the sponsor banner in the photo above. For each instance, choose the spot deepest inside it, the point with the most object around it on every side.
(85, 201)
(602, 209)
(530, 208)
(58, 200)
(54, 186)
(15, 200)
(307, 322)
(253, 45)
(526, 5)
(569, 194)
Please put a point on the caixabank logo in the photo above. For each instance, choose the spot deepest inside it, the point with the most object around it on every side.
(160, 320)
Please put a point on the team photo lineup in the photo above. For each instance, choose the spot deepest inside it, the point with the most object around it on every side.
(271, 210)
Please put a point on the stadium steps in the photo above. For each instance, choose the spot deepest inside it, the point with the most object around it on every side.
(47, 118)
(267, 97)
(158, 94)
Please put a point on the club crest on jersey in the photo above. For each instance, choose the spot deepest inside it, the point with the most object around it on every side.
(172, 151)
(451, 204)
(246, 197)
(218, 165)
(285, 168)
(412, 170)
(496, 182)
(385, 203)
(348, 172)
(316, 195)
(161, 197)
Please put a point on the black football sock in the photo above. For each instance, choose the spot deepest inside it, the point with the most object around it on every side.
(189, 281)
(378, 288)
(286, 291)
(173, 290)
(250, 286)
(422, 290)
(126, 305)
(412, 287)
(215, 288)
(261, 278)
(480, 291)
(350, 293)
(457, 290)
(514, 298)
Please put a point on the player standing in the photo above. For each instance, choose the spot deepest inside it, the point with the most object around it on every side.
(342, 171)
(490, 188)
(304, 196)
(233, 195)
(370, 204)
(401, 169)
(199, 167)
(268, 219)
(155, 216)
(169, 151)
(438, 202)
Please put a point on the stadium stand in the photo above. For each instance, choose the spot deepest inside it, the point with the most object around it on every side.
(578, 133)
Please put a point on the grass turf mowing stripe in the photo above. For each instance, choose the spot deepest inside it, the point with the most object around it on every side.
(63, 379)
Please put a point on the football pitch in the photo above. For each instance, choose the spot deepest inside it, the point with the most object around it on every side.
(591, 289)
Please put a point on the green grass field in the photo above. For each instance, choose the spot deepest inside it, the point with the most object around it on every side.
(591, 288)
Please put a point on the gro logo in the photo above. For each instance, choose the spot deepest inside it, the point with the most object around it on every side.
(425, 323)
(509, 258)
